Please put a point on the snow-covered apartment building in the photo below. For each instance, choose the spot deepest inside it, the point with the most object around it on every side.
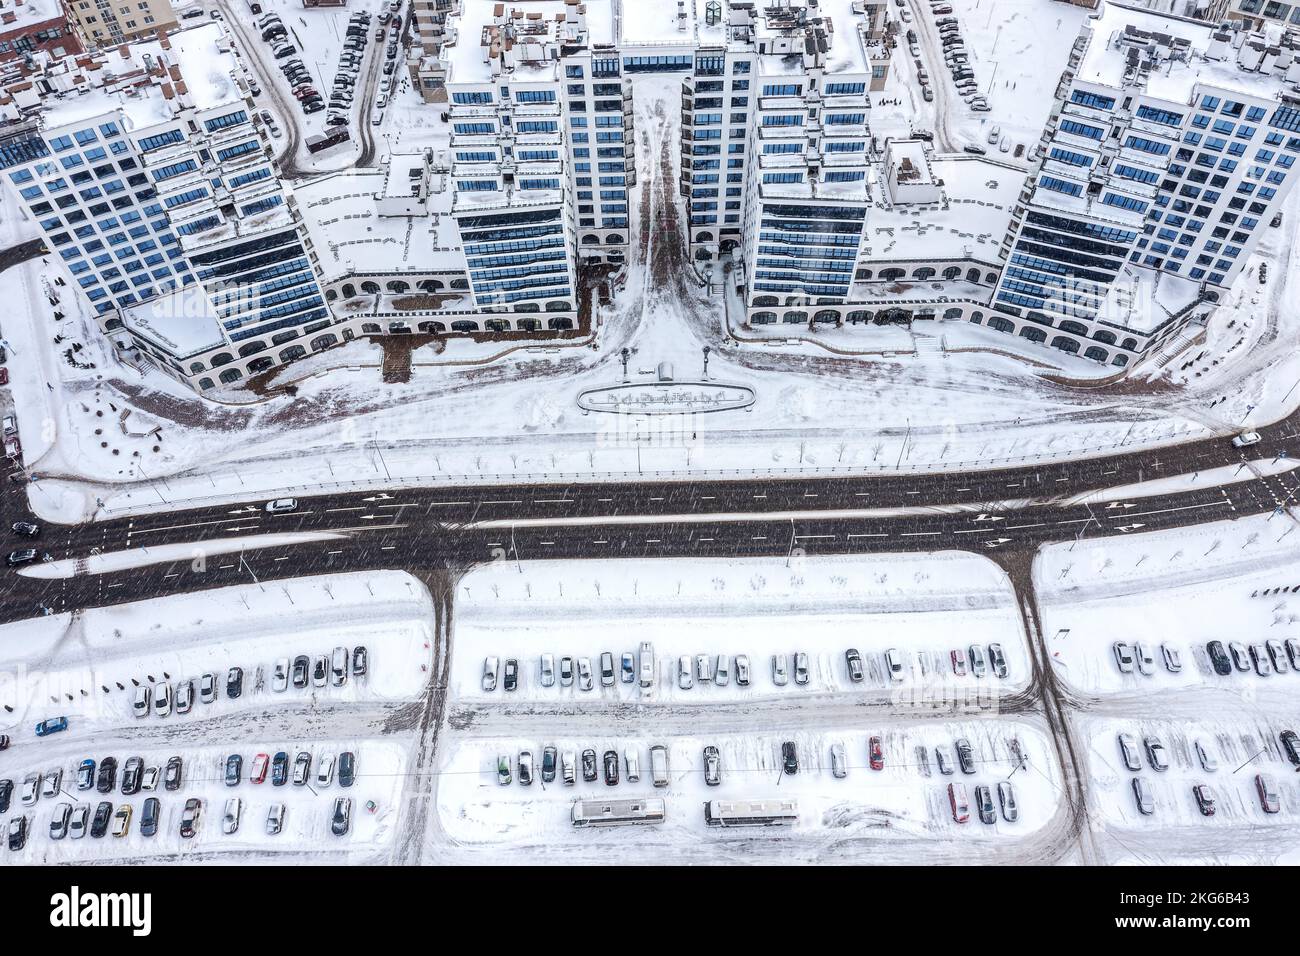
(153, 183)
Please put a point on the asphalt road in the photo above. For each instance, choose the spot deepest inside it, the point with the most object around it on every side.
(426, 529)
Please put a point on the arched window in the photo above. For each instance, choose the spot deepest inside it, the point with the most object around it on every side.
(1033, 334)
(1101, 335)
(827, 315)
(397, 286)
(764, 300)
(464, 325)
(613, 239)
(323, 341)
(559, 305)
(889, 275)
(1074, 328)
(349, 290)
(952, 272)
(1097, 354)
(999, 324)
(461, 284)
(977, 317)
(1130, 344)
(292, 352)
(762, 318)
(1121, 360)
(794, 317)
(1065, 344)
(222, 358)
(370, 328)
(704, 237)
(251, 348)
(972, 275)
(231, 375)
(196, 366)
(954, 313)
(559, 323)
(590, 240)
(370, 288)
(923, 273)
(205, 383)
(429, 285)
(529, 325)
(497, 325)
(260, 364)
(858, 315)
(281, 337)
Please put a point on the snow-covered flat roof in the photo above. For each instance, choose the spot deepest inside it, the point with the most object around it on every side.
(1106, 59)
(467, 59)
(1142, 300)
(29, 13)
(979, 196)
(349, 235)
(182, 322)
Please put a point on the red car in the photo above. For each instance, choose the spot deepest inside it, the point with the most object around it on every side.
(877, 755)
(260, 763)
(4, 376)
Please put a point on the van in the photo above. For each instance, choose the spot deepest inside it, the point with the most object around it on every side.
(1146, 804)
(659, 765)
(647, 663)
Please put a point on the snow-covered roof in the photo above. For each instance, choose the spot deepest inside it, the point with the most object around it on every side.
(1143, 299)
(1121, 33)
(979, 195)
(468, 58)
(182, 322)
(350, 237)
(29, 13)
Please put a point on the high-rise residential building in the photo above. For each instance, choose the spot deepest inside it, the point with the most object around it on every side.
(110, 22)
(154, 185)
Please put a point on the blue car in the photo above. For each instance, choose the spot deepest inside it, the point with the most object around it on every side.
(51, 726)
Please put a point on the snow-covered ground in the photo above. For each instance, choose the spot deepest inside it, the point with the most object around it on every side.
(924, 606)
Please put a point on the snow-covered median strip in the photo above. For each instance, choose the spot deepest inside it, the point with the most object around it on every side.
(184, 551)
(1210, 478)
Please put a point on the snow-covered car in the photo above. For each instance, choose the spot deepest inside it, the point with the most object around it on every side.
(712, 766)
(86, 774)
(801, 668)
(569, 767)
(132, 776)
(1128, 752)
(234, 770)
(606, 669)
(258, 772)
(589, 769)
(59, 821)
(1204, 799)
(162, 700)
(1293, 653)
(52, 782)
(510, 674)
(275, 819)
(77, 822)
(1172, 658)
(685, 676)
(627, 667)
(566, 671)
(230, 820)
(1266, 787)
(722, 671)
(780, 673)
(172, 775)
(360, 661)
(894, 663)
(1146, 803)
(301, 768)
(341, 820)
(1145, 660)
(1007, 798)
(325, 771)
(31, 791)
(301, 671)
(1276, 655)
(839, 761)
(1206, 757)
(959, 801)
(585, 681)
(320, 671)
(853, 661)
(1240, 656)
(1123, 657)
(339, 666)
(550, 757)
(140, 704)
(184, 696)
(190, 817)
(280, 675)
(504, 776)
(659, 765)
(1156, 755)
(998, 661)
(965, 755)
(208, 688)
(122, 820)
(943, 757)
(491, 666)
(978, 666)
(958, 659)
(742, 670)
(984, 804)
(281, 505)
(149, 779)
(1246, 439)
(876, 754)
(703, 669)
(1259, 657)
(547, 670)
(525, 768)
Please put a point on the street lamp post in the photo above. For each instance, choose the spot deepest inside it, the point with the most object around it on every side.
(706, 362)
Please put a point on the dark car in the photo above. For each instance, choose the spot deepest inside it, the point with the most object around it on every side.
(1291, 746)
(17, 833)
(984, 804)
(548, 763)
(190, 817)
(589, 765)
(26, 528)
(6, 794)
(301, 666)
(234, 770)
(4, 741)
(360, 661)
(234, 682)
(107, 779)
(131, 776)
(790, 757)
(854, 661)
(149, 819)
(280, 769)
(1219, 658)
(25, 556)
(347, 768)
(965, 756)
(342, 818)
(172, 778)
(512, 674)
(611, 768)
(103, 813)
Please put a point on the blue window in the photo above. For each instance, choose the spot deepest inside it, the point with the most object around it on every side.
(472, 98)
(1147, 145)
(1070, 157)
(473, 129)
(1060, 185)
(1095, 100)
(476, 185)
(1164, 117)
(228, 120)
(162, 139)
(1083, 129)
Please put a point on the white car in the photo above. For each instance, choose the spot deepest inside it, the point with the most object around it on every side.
(722, 673)
(1173, 659)
(162, 700)
(280, 505)
(839, 761)
(685, 677)
(491, 667)
(548, 670)
(703, 669)
(325, 771)
(1208, 763)
(280, 675)
(894, 663)
(52, 783)
(31, 789)
(140, 706)
(275, 819)
(230, 822)
(742, 670)
(633, 761)
(184, 696)
(1146, 662)
(1245, 439)
(780, 672)
(584, 674)
(339, 666)
(1123, 657)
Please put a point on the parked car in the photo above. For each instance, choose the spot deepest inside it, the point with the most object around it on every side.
(504, 777)
(1123, 657)
(566, 671)
(230, 820)
(103, 814)
(526, 768)
(685, 676)
(722, 671)
(959, 801)
(790, 757)
(511, 678)
(490, 668)
(978, 666)
(712, 766)
(1206, 757)
(1156, 755)
(894, 663)
(162, 700)
(611, 768)
(584, 674)
(1128, 751)
(184, 696)
(149, 779)
(275, 819)
(997, 661)
(606, 669)
(17, 833)
(1276, 656)
(52, 782)
(742, 670)
(853, 661)
(943, 757)
(257, 774)
(801, 668)
(234, 682)
(1204, 799)
(876, 754)
(149, 817)
(984, 804)
(568, 768)
(1219, 659)
(59, 821)
(631, 764)
(140, 702)
(85, 775)
(24, 556)
(589, 771)
(1259, 658)
(839, 761)
(51, 726)
(347, 768)
(659, 765)
(1146, 662)
(234, 770)
(1291, 746)
(325, 771)
(341, 821)
(1172, 658)
(965, 755)
(6, 795)
(1142, 796)
(780, 675)
(280, 675)
(958, 659)
(31, 791)
(360, 661)
(1245, 439)
(302, 671)
(190, 817)
(27, 529)
(1266, 787)
(208, 688)
(172, 776)
(320, 671)
(107, 780)
(703, 669)
(1007, 800)
(1240, 656)
(280, 769)
(78, 823)
(549, 758)
(547, 676)
(131, 774)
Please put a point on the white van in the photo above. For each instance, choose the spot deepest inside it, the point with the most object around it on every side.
(647, 663)
(659, 765)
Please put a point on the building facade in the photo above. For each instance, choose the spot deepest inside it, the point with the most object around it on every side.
(110, 22)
